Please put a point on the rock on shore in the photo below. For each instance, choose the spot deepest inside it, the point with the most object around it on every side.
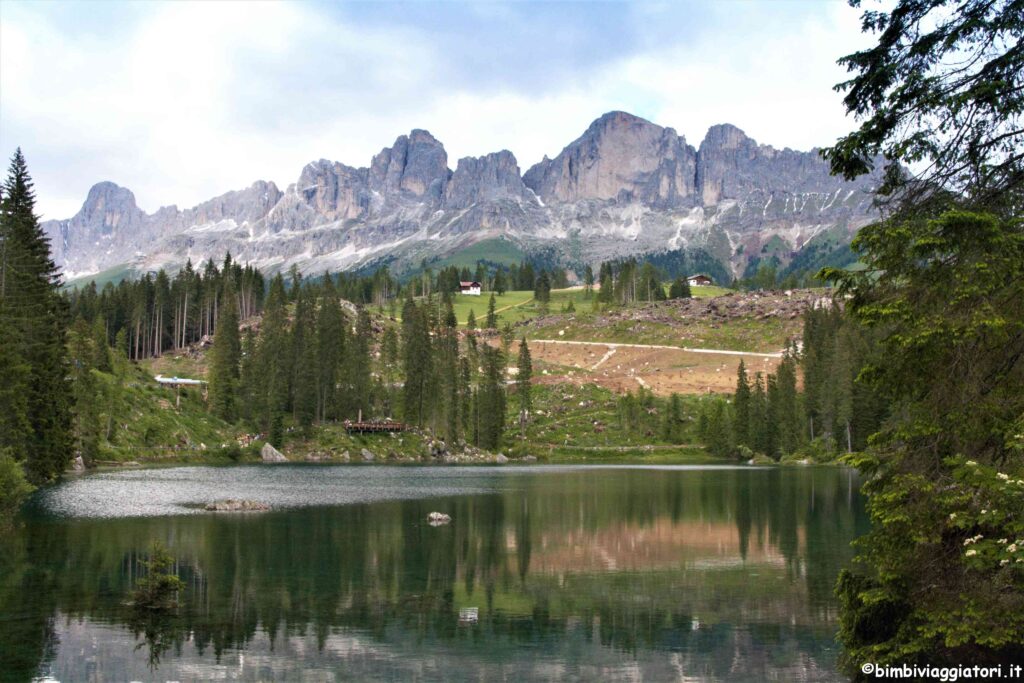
(271, 454)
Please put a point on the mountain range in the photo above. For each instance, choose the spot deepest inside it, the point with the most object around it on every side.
(625, 187)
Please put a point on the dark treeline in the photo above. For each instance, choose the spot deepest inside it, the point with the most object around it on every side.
(834, 413)
(497, 278)
(626, 281)
(313, 360)
(158, 313)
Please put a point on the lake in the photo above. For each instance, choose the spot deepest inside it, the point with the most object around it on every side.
(661, 573)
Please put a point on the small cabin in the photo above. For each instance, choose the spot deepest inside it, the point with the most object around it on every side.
(699, 280)
(472, 288)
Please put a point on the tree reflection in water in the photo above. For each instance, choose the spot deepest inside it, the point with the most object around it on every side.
(698, 568)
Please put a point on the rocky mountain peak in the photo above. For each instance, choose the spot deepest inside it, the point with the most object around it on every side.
(620, 157)
(625, 186)
(107, 206)
(485, 179)
(724, 136)
(416, 164)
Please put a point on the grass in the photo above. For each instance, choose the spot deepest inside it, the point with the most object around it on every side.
(572, 423)
(112, 275)
(767, 335)
(709, 291)
(509, 301)
(498, 250)
(139, 420)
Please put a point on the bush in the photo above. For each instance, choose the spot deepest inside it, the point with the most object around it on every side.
(233, 451)
(158, 590)
(14, 489)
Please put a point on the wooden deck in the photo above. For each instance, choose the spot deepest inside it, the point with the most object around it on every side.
(375, 426)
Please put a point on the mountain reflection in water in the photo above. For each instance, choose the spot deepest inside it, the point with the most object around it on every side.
(577, 573)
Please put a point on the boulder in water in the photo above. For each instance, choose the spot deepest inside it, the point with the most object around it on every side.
(438, 518)
(232, 505)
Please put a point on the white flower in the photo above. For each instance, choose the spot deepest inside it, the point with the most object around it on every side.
(971, 463)
(984, 512)
(1003, 563)
(1012, 548)
(1002, 541)
(952, 515)
(1004, 477)
(971, 552)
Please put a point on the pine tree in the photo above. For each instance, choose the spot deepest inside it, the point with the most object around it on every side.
(33, 319)
(759, 416)
(588, 281)
(718, 430)
(225, 357)
(542, 290)
(416, 357)
(524, 389)
(330, 339)
(679, 289)
(773, 421)
(492, 316)
(274, 362)
(86, 399)
(471, 320)
(790, 431)
(305, 387)
(741, 403)
(359, 365)
(672, 423)
(101, 347)
(491, 399)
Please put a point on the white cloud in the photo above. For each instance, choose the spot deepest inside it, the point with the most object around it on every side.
(202, 98)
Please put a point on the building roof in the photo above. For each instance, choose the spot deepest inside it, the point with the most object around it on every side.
(469, 284)
(177, 380)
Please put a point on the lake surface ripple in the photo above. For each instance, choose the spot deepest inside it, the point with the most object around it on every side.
(545, 573)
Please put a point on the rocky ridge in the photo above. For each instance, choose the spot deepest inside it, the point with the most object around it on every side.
(626, 186)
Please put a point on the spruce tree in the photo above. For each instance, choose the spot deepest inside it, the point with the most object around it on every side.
(542, 290)
(359, 365)
(305, 388)
(679, 289)
(416, 357)
(672, 423)
(790, 430)
(524, 389)
(274, 362)
(33, 319)
(225, 357)
(491, 399)
(101, 347)
(471, 320)
(759, 416)
(330, 338)
(86, 399)
(492, 316)
(741, 403)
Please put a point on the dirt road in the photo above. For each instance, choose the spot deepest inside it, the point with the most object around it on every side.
(662, 369)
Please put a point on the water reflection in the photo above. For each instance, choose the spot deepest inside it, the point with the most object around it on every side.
(610, 574)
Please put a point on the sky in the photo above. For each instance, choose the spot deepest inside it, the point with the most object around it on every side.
(183, 101)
